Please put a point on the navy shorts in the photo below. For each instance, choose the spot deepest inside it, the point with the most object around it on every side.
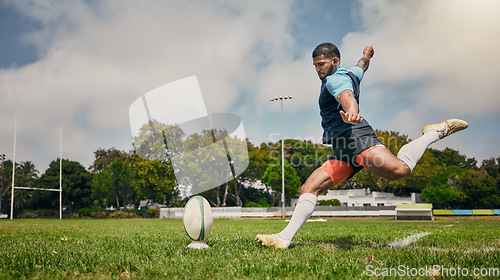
(350, 144)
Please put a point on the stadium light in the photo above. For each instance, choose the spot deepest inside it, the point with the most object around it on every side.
(281, 98)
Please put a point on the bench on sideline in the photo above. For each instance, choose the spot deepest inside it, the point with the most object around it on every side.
(414, 211)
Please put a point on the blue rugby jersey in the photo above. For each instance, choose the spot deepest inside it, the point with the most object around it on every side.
(331, 121)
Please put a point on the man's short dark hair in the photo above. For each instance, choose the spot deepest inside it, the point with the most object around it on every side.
(329, 50)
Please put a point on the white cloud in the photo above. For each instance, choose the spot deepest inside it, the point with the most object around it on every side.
(290, 77)
(96, 59)
(444, 45)
(433, 60)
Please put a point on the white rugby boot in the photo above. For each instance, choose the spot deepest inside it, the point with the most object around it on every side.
(273, 240)
(447, 127)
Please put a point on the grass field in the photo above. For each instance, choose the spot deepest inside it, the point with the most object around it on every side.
(335, 249)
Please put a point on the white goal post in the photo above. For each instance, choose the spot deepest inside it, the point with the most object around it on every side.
(36, 189)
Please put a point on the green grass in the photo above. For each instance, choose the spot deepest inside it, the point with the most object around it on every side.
(155, 249)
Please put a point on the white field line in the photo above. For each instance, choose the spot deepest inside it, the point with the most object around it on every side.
(469, 251)
(398, 243)
(317, 220)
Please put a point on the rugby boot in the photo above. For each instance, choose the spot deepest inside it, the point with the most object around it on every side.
(447, 127)
(273, 240)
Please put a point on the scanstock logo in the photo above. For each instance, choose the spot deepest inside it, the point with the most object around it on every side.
(171, 124)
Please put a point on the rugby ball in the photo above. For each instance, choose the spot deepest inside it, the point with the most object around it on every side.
(197, 218)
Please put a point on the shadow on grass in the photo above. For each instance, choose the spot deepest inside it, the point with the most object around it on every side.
(343, 242)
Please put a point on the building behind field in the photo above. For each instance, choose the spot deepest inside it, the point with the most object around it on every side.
(365, 197)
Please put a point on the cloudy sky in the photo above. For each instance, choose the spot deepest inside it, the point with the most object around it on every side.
(79, 65)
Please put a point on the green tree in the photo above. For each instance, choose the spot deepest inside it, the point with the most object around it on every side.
(153, 139)
(104, 158)
(101, 188)
(257, 163)
(449, 157)
(272, 177)
(153, 180)
(480, 189)
(492, 167)
(5, 185)
(329, 202)
(113, 178)
(121, 179)
(76, 184)
(27, 170)
(244, 194)
(199, 158)
(26, 175)
(442, 190)
(252, 197)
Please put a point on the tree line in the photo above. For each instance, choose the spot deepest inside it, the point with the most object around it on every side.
(120, 179)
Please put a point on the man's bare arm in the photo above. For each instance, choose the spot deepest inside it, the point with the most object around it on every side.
(346, 98)
(364, 62)
(350, 106)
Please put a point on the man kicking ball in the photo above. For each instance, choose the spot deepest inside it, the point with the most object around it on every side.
(355, 144)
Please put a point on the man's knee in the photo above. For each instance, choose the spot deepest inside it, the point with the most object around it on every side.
(317, 182)
(386, 165)
(314, 187)
(398, 172)
(307, 187)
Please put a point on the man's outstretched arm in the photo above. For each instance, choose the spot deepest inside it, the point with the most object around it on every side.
(364, 62)
(350, 106)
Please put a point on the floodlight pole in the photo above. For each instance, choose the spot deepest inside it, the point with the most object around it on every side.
(13, 172)
(282, 151)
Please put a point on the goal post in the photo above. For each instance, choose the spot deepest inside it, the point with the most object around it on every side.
(35, 189)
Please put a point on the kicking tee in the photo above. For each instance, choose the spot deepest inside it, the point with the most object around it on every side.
(331, 121)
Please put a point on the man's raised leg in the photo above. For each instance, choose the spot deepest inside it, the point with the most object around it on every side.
(383, 163)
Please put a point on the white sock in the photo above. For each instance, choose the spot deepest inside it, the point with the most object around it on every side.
(413, 151)
(303, 211)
